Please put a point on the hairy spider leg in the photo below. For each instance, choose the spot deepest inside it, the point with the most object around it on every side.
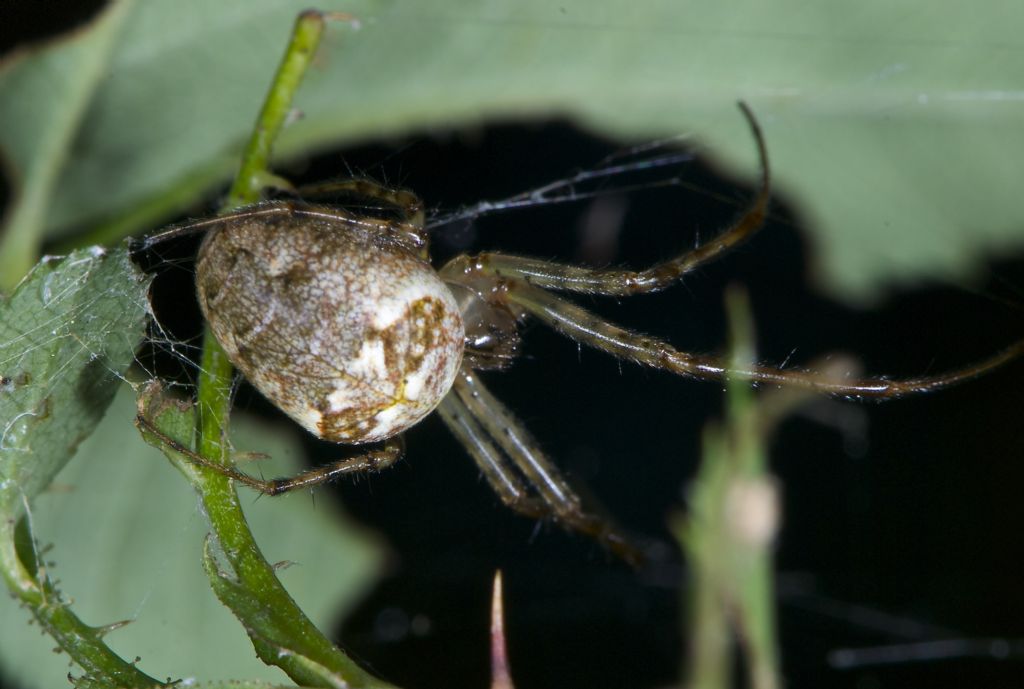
(409, 206)
(613, 282)
(370, 461)
(409, 231)
(499, 474)
(373, 460)
(587, 328)
(518, 280)
(480, 421)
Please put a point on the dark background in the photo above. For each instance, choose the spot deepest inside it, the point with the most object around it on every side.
(902, 527)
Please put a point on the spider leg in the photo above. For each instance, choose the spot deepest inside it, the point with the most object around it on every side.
(486, 413)
(407, 203)
(587, 328)
(409, 230)
(502, 477)
(370, 460)
(584, 280)
(260, 210)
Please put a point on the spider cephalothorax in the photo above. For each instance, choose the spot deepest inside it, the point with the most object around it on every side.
(339, 319)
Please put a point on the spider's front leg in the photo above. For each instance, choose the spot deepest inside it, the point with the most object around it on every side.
(408, 205)
(584, 280)
(589, 329)
(518, 285)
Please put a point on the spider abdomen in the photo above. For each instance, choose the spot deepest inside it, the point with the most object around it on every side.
(340, 325)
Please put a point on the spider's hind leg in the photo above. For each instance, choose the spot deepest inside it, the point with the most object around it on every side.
(494, 465)
(371, 460)
(367, 461)
(488, 429)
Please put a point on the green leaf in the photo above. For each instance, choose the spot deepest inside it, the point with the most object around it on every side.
(66, 335)
(137, 556)
(241, 576)
(45, 97)
(896, 130)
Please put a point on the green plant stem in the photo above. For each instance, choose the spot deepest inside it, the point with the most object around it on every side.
(264, 607)
(256, 160)
(751, 560)
(728, 536)
(216, 372)
(84, 644)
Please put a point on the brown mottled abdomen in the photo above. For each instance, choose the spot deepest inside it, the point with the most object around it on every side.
(352, 335)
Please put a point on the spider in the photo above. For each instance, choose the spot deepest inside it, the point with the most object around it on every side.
(338, 318)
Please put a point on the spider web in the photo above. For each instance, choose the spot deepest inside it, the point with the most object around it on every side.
(66, 336)
(604, 179)
(125, 529)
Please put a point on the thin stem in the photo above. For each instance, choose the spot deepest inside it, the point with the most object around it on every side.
(249, 184)
(728, 536)
(265, 608)
(28, 581)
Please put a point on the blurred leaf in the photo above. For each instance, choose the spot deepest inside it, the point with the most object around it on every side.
(728, 534)
(45, 97)
(898, 130)
(66, 334)
(128, 542)
(237, 569)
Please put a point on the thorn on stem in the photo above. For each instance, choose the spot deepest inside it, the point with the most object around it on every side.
(500, 678)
